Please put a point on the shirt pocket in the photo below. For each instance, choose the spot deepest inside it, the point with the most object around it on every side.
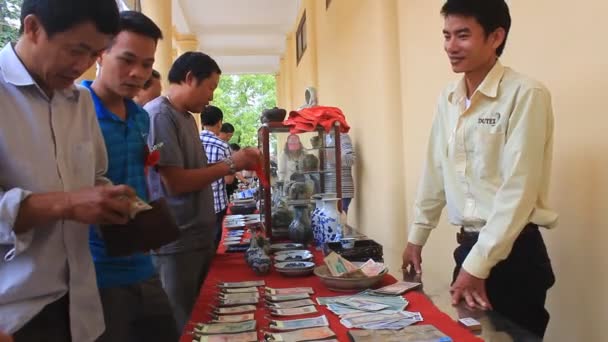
(488, 154)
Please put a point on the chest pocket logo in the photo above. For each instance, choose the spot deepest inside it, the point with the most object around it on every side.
(489, 120)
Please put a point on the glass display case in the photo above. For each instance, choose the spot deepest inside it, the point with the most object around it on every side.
(300, 167)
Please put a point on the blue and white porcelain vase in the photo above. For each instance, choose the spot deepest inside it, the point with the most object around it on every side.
(314, 216)
(254, 249)
(260, 263)
(328, 227)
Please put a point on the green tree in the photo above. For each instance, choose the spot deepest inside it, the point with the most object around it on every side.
(242, 98)
(9, 20)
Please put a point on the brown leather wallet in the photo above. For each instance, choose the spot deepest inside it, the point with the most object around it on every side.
(149, 230)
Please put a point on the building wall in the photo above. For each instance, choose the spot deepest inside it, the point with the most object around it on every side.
(383, 64)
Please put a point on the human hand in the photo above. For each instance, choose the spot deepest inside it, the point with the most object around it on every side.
(5, 338)
(470, 289)
(108, 204)
(412, 258)
(247, 159)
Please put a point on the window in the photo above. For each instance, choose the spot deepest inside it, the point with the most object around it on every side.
(301, 38)
(327, 3)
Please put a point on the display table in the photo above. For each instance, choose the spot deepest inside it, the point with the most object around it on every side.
(232, 267)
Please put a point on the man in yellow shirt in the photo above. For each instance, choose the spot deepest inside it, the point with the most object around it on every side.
(488, 162)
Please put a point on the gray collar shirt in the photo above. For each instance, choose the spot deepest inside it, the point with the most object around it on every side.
(46, 145)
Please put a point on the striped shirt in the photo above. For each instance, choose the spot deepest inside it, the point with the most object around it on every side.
(216, 150)
(348, 160)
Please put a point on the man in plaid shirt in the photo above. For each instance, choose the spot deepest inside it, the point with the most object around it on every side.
(216, 150)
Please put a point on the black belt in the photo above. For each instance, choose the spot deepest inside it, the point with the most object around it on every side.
(470, 238)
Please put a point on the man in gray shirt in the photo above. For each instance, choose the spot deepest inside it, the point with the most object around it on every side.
(184, 178)
(52, 159)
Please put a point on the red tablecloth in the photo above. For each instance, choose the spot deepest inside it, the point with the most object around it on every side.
(232, 267)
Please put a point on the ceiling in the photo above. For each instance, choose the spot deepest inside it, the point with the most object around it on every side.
(243, 36)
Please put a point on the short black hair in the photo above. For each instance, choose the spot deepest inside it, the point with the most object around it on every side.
(490, 14)
(227, 127)
(137, 22)
(211, 115)
(199, 64)
(58, 16)
(234, 146)
(155, 74)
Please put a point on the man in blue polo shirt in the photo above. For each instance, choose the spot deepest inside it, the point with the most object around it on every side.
(135, 306)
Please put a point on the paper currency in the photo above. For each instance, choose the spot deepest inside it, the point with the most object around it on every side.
(225, 328)
(240, 290)
(396, 303)
(396, 289)
(337, 265)
(301, 335)
(291, 290)
(371, 268)
(233, 318)
(294, 311)
(238, 301)
(374, 321)
(362, 304)
(413, 333)
(359, 321)
(245, 295)
(235, 310)
(290, 304)
(137, 206)
(232, 238)
(241, 284)
(251, 336)
(320, 321)
(232, 243)
(286, 297)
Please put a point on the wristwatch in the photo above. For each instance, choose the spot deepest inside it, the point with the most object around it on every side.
(231, 165)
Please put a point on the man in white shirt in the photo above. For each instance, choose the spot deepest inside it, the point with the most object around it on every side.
(489, 162)
(53, 161)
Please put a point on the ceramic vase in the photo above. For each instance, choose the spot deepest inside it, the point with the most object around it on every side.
(328, 228)
(299, 229)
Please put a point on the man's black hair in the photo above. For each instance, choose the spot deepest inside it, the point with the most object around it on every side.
(211, 115)
(58, 16)
(199, 64)
(137, 22)
(490, 14)
(234, 146)
(155, 74)
(227, 128)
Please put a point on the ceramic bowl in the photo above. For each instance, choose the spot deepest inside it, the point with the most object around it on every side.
(346, 284)
(286, 246)
(296, 255)
(295, 268)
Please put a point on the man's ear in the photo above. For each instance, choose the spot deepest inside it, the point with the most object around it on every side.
(32, 28)
(498, 37)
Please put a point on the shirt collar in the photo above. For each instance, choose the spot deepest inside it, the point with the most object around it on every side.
(14, 72)
(208, 132)
(103, 112)
(488, 87)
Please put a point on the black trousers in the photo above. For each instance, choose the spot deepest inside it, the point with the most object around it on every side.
(517, 286)
(52, 324)
(219, 220)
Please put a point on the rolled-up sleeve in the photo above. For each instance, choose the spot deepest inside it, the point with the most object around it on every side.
(10, 203)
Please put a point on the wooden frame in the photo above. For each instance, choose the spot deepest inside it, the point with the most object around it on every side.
(264, 144)
(301, 37)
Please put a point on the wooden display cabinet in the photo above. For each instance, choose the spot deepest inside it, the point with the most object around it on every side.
(329, 167)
